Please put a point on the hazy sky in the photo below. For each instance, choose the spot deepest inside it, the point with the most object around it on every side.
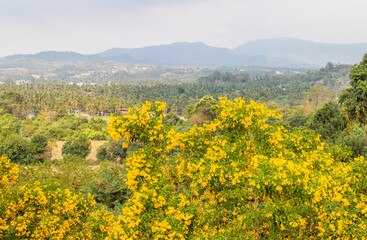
(91, 26)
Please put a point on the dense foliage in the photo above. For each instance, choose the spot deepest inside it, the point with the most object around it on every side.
(112, 151)
(355, 98)
(97, 100)
(328, 121)
(21, 150)
(198, 167)
(78, 147)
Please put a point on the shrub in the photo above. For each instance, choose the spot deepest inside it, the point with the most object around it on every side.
(328, 121)
(16, 148)
(78, 147)
(108, 186)
(37, 147)
(9, 125)
(356, 139)
(112, 151)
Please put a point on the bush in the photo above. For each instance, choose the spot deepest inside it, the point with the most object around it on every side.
(108, 186)
(71, 172)
(328, 121)
(16, 148)
(37, 147)
(78, 147)
(355, 139)
(112, 151)
(23, 151)
(9, 125)
(297, 120)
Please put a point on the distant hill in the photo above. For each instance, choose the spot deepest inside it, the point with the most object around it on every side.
(277, 52)
(197, 53)
(54, 56)
(304, 50)
(182, 53)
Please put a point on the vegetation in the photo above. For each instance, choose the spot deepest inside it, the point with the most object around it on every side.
(197, 167)
(38, 210)
(78, 147)
(280, 89)
(354, 99)
(238, 175)
(112, 151)
(22, 150)
(328, 121)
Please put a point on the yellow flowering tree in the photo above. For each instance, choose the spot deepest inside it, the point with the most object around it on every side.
(241, 175)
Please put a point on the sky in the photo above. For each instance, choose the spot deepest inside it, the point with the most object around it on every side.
(92, 26)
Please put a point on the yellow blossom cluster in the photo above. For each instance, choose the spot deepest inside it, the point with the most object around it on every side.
(144, 123)
(8, 172)
(38, 211)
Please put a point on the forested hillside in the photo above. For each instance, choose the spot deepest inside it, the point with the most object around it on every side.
(92, 99)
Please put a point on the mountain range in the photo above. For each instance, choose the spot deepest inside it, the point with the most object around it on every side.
(277, 52)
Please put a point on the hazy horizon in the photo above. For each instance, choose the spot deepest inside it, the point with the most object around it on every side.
(93, 26)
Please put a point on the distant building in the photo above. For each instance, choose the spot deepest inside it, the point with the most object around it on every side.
(19, 82)
(104, 113)
(122, 111)
(83, 115)
(30, 116)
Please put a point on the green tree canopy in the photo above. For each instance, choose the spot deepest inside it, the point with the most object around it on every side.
(79, 147)
(354, 99)
(11, 102)
(328, 121)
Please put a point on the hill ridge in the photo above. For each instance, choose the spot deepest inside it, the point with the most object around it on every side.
(274, 52)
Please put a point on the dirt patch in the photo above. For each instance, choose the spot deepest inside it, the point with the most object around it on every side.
(93, 150)
(57, 150)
